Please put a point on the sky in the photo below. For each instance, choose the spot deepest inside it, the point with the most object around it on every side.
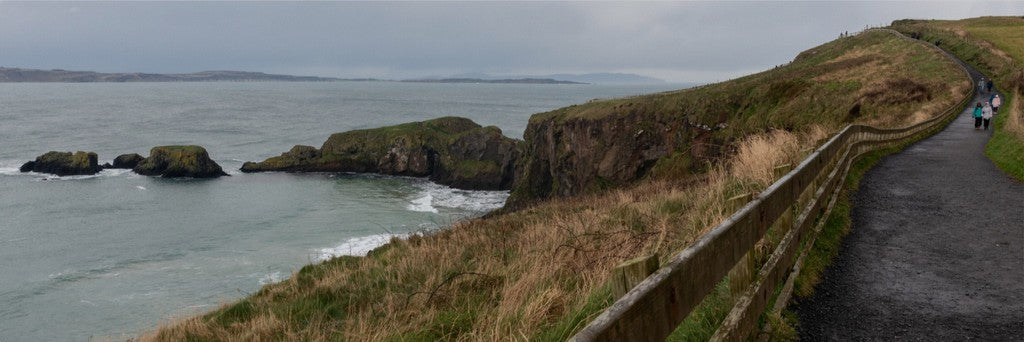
(674, 41)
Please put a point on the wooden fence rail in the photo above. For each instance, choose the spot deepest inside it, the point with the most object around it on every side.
(652, 309)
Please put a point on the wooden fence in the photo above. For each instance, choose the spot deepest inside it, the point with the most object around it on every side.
(652, 309)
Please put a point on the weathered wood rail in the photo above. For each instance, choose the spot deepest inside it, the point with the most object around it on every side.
(653, 309)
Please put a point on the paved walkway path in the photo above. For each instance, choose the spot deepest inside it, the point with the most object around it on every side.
(936, 251)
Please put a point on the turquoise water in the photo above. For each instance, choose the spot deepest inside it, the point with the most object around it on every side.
(115, 254)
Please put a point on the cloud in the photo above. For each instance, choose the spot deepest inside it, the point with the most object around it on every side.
(688, 41)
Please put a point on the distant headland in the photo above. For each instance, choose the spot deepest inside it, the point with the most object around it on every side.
(61, 75)
(14, 75)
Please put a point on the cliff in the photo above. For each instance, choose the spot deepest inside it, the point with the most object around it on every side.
(610, 143)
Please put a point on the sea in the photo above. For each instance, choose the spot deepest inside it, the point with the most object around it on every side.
(113, 255)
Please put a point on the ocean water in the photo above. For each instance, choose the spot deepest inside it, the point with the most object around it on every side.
(115, 254)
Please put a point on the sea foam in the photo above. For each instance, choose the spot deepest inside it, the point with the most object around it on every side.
(433, 196)
(7, 170)
(357, 246)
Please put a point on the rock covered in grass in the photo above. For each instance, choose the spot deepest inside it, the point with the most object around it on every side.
(299, 158)
(179, 161)
(64, 163)
(450, 150)
(126, 161)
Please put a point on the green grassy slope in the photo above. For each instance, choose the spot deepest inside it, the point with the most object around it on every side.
(994, 45)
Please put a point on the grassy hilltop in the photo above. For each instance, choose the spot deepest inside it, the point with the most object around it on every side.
(995, 46)
(873, 78)
(539, 273)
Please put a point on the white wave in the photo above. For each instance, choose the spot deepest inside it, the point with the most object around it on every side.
(15, 171)
(140, 187)
(433, 195)
(271, 278)
(10, 171)
(357, 246)
(423, 203)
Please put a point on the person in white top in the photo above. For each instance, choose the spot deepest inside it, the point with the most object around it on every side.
(986, 115)
(996, 102)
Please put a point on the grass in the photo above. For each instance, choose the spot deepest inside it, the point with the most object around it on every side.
(875, 78)
(995, 46)
(541, 273)
(830, 80)
(1006, 148)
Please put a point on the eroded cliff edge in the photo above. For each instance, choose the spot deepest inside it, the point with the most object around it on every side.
(609, 143)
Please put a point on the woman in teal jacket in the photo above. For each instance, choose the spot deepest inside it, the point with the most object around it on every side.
(977, 116)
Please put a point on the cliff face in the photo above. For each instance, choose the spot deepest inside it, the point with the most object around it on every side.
(567, 156)
(451, 151)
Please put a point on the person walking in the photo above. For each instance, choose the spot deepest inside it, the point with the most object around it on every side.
(996, 102)
(977, 116)
(981, 85)
(986, 115)
(988, 86)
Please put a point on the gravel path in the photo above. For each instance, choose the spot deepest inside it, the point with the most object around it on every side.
(936, 251)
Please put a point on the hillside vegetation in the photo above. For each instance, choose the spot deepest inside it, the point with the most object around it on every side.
(540, 273)
(872, 78)
(995, 46)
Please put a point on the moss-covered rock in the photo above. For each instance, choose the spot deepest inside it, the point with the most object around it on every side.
(64, 163)
(450, 150)
(127, 161)
(179, 161)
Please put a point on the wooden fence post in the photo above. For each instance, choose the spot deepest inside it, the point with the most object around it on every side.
(742, 274)
(632, 272)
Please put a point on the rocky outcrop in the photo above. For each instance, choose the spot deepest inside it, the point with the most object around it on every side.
(64, 163)
(451, 151)
(126, 161)
(568, 154)
(179, 161)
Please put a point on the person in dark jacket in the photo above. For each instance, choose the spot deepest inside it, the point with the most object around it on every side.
(988, 86)
(977, 116)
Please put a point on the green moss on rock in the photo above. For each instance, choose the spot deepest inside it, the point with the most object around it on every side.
(127, 161)
(64, 163)
(450, 150)
(179, 161)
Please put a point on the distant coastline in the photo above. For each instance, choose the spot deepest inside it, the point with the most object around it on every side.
(68, 76)
(25, 75)
(20, 75)
(504, 80)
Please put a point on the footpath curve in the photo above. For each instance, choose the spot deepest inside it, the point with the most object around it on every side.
(935, 252)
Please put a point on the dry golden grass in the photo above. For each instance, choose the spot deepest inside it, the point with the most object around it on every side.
(535, 274)
(513, 275)
(759, 155)
(523, 270)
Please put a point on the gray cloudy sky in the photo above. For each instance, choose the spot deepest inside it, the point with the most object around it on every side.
(677, 41)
